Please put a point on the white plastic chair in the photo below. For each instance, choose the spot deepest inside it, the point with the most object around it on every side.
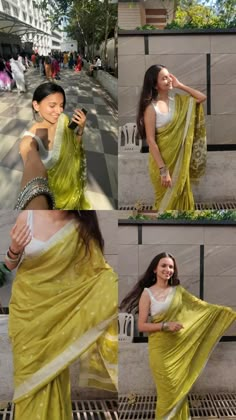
(127, 138)
(125, 327)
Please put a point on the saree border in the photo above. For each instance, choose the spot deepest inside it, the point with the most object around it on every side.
(176, 172)
(58, 364)
(56, 149)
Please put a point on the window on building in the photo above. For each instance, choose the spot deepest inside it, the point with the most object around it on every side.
(15, 11)
(24, 16)
(6, 6)
(31, 19)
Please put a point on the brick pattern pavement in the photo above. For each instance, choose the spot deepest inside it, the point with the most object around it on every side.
(100, 136)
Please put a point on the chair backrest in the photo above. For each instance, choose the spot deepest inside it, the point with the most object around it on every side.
(6, 362)
(125, 327)
(128, 141)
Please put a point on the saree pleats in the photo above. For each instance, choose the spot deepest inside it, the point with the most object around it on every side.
(52, 401)
(67, 177)
(63, 306)
(182, 144)
(177, 359)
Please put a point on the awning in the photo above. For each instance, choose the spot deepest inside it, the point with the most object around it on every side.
(12, 25)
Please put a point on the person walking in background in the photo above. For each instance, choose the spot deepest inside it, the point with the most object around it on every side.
(71, 61)
(181, 334)
(65, 60)
(18, 74)
(48, 67)
(78, 66)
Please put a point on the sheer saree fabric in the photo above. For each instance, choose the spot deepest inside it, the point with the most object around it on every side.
(182, 145)
(63, 307)
(67, 169)
(177, 359)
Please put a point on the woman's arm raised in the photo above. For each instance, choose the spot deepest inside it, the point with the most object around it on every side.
(199, 96)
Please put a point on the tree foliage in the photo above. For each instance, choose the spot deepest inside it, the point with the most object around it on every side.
(204, 14)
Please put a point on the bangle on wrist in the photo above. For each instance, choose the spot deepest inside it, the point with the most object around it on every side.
(13, 253)
(164, 326)
(163, 171)
(11, 260)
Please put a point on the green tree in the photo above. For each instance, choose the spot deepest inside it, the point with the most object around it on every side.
(204, 14)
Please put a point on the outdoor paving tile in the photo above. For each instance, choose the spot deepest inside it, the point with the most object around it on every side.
(92, 140)
(109, 141)
(6, 145)
(85, 99)
(98, 169)
(103, 110)
(10, 187)
(92, 121)
(14, 127)
(107, 123)
(98, 100)
(12, 159)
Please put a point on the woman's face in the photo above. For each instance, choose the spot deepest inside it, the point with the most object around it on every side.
(165, 269)
(164, 81)
(51, 107)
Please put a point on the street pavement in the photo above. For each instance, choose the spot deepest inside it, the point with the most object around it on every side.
(100, 136)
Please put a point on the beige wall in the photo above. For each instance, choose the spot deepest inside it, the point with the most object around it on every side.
(219, 286)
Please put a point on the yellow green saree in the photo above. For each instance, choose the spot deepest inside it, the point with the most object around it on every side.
(63, 307)
(177, 359)
(182, 144)
(67, 169)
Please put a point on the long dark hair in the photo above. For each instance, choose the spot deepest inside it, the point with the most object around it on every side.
(46, 89)
(148, 279)
(89, 228)
(149, 93)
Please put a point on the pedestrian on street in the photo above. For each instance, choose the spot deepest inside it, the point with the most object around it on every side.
(18, 74)
(53, 155)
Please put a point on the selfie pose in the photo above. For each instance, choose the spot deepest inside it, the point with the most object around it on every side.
(63, 307)
(182, 332)
(53, 155)
(174, 127)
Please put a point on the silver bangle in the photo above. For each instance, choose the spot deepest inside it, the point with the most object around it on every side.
(164, 171)
(37, 186)
(164, 326)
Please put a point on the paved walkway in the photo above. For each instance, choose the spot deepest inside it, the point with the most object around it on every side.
(100, 136)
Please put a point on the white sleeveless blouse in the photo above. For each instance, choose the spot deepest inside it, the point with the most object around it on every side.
(156, 306)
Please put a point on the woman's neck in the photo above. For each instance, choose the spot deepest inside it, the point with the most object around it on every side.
(162, 96)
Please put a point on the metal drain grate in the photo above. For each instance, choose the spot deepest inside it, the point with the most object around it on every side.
(7, 413)
(207, 406)
(95, 410)
(198, 206)
(81, 410)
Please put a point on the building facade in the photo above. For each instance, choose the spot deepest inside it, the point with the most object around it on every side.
(24, 26)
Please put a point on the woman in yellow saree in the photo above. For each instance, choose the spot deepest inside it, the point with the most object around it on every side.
(53, 155)
(174, 128)
(182, 334)
(63, 307)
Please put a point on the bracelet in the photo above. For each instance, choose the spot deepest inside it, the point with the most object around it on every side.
(163, 171)
(37, 186)
(164, 326)
(13, 253)
(11, 260)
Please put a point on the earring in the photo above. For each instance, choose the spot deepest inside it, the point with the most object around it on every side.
(37, 116)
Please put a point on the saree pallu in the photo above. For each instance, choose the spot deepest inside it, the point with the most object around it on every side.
(67, 172)
(182, 145)
(63, 307)
(177, 359)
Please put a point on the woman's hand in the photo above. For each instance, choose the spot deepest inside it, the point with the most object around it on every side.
(175, 82)
(173, 326)
(20, 238)
(166, 180)
(79, 118)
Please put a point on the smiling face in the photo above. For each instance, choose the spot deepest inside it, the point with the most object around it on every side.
(50, 108)
(164, 81)
(165, 269)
